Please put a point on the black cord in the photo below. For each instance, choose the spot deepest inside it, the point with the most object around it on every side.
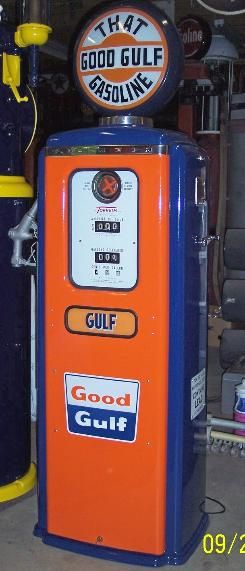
(223, 508)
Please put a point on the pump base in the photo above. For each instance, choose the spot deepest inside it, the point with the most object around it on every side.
(19, 487)
(126, 556)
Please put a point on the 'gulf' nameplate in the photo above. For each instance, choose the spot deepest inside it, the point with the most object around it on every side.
(122, 58)
(102, 407)
(97, 321)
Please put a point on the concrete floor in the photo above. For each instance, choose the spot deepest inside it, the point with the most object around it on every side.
(20, 551)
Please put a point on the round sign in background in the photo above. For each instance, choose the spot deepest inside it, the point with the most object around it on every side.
(229, 6)
(196, 35)
(128, 58)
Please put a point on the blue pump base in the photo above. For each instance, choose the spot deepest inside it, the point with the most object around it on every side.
(129, 557)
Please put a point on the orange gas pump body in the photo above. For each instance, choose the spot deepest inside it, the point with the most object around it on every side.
(102, 480)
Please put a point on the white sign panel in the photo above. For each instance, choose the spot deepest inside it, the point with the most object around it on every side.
(102, 407)
(104, 236)
(198, 393)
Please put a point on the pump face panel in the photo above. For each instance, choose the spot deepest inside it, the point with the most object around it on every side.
(106, 389)
(104, 228)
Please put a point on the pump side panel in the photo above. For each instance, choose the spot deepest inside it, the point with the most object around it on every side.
(188, 348)
(101, 491)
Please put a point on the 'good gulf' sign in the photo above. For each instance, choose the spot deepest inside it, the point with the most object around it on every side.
(102, 407)
(122, 58)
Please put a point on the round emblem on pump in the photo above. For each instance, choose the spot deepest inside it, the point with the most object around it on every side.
(196, 36)
(128, 58)
(106, 186)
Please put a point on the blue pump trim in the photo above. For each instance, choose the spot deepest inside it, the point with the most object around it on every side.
(184, 514)
(127, 134)
(41, 385)
(132, 558)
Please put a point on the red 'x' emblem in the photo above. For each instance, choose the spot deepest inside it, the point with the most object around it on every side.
(108, 186)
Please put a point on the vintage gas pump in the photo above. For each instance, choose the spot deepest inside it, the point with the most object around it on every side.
(17, 128)
(122, 306)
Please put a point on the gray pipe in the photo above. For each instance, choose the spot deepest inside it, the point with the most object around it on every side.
(35, 11)
(20, 233)
(213, 421)
(227, 423)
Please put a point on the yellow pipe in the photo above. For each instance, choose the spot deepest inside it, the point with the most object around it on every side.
(32, 34)
(14, 187)
(19, 487)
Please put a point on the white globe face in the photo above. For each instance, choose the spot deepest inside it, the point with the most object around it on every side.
(128, 59)
(122, 58)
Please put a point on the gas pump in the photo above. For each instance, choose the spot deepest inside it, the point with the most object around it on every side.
(122, 306)
(17, 129)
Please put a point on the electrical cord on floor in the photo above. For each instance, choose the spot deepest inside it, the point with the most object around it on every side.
(221, 511)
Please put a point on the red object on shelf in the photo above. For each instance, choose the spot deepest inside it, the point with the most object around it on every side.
(186, 118)
(195, 70)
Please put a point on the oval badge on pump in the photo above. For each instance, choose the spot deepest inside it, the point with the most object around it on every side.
(102, 322)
